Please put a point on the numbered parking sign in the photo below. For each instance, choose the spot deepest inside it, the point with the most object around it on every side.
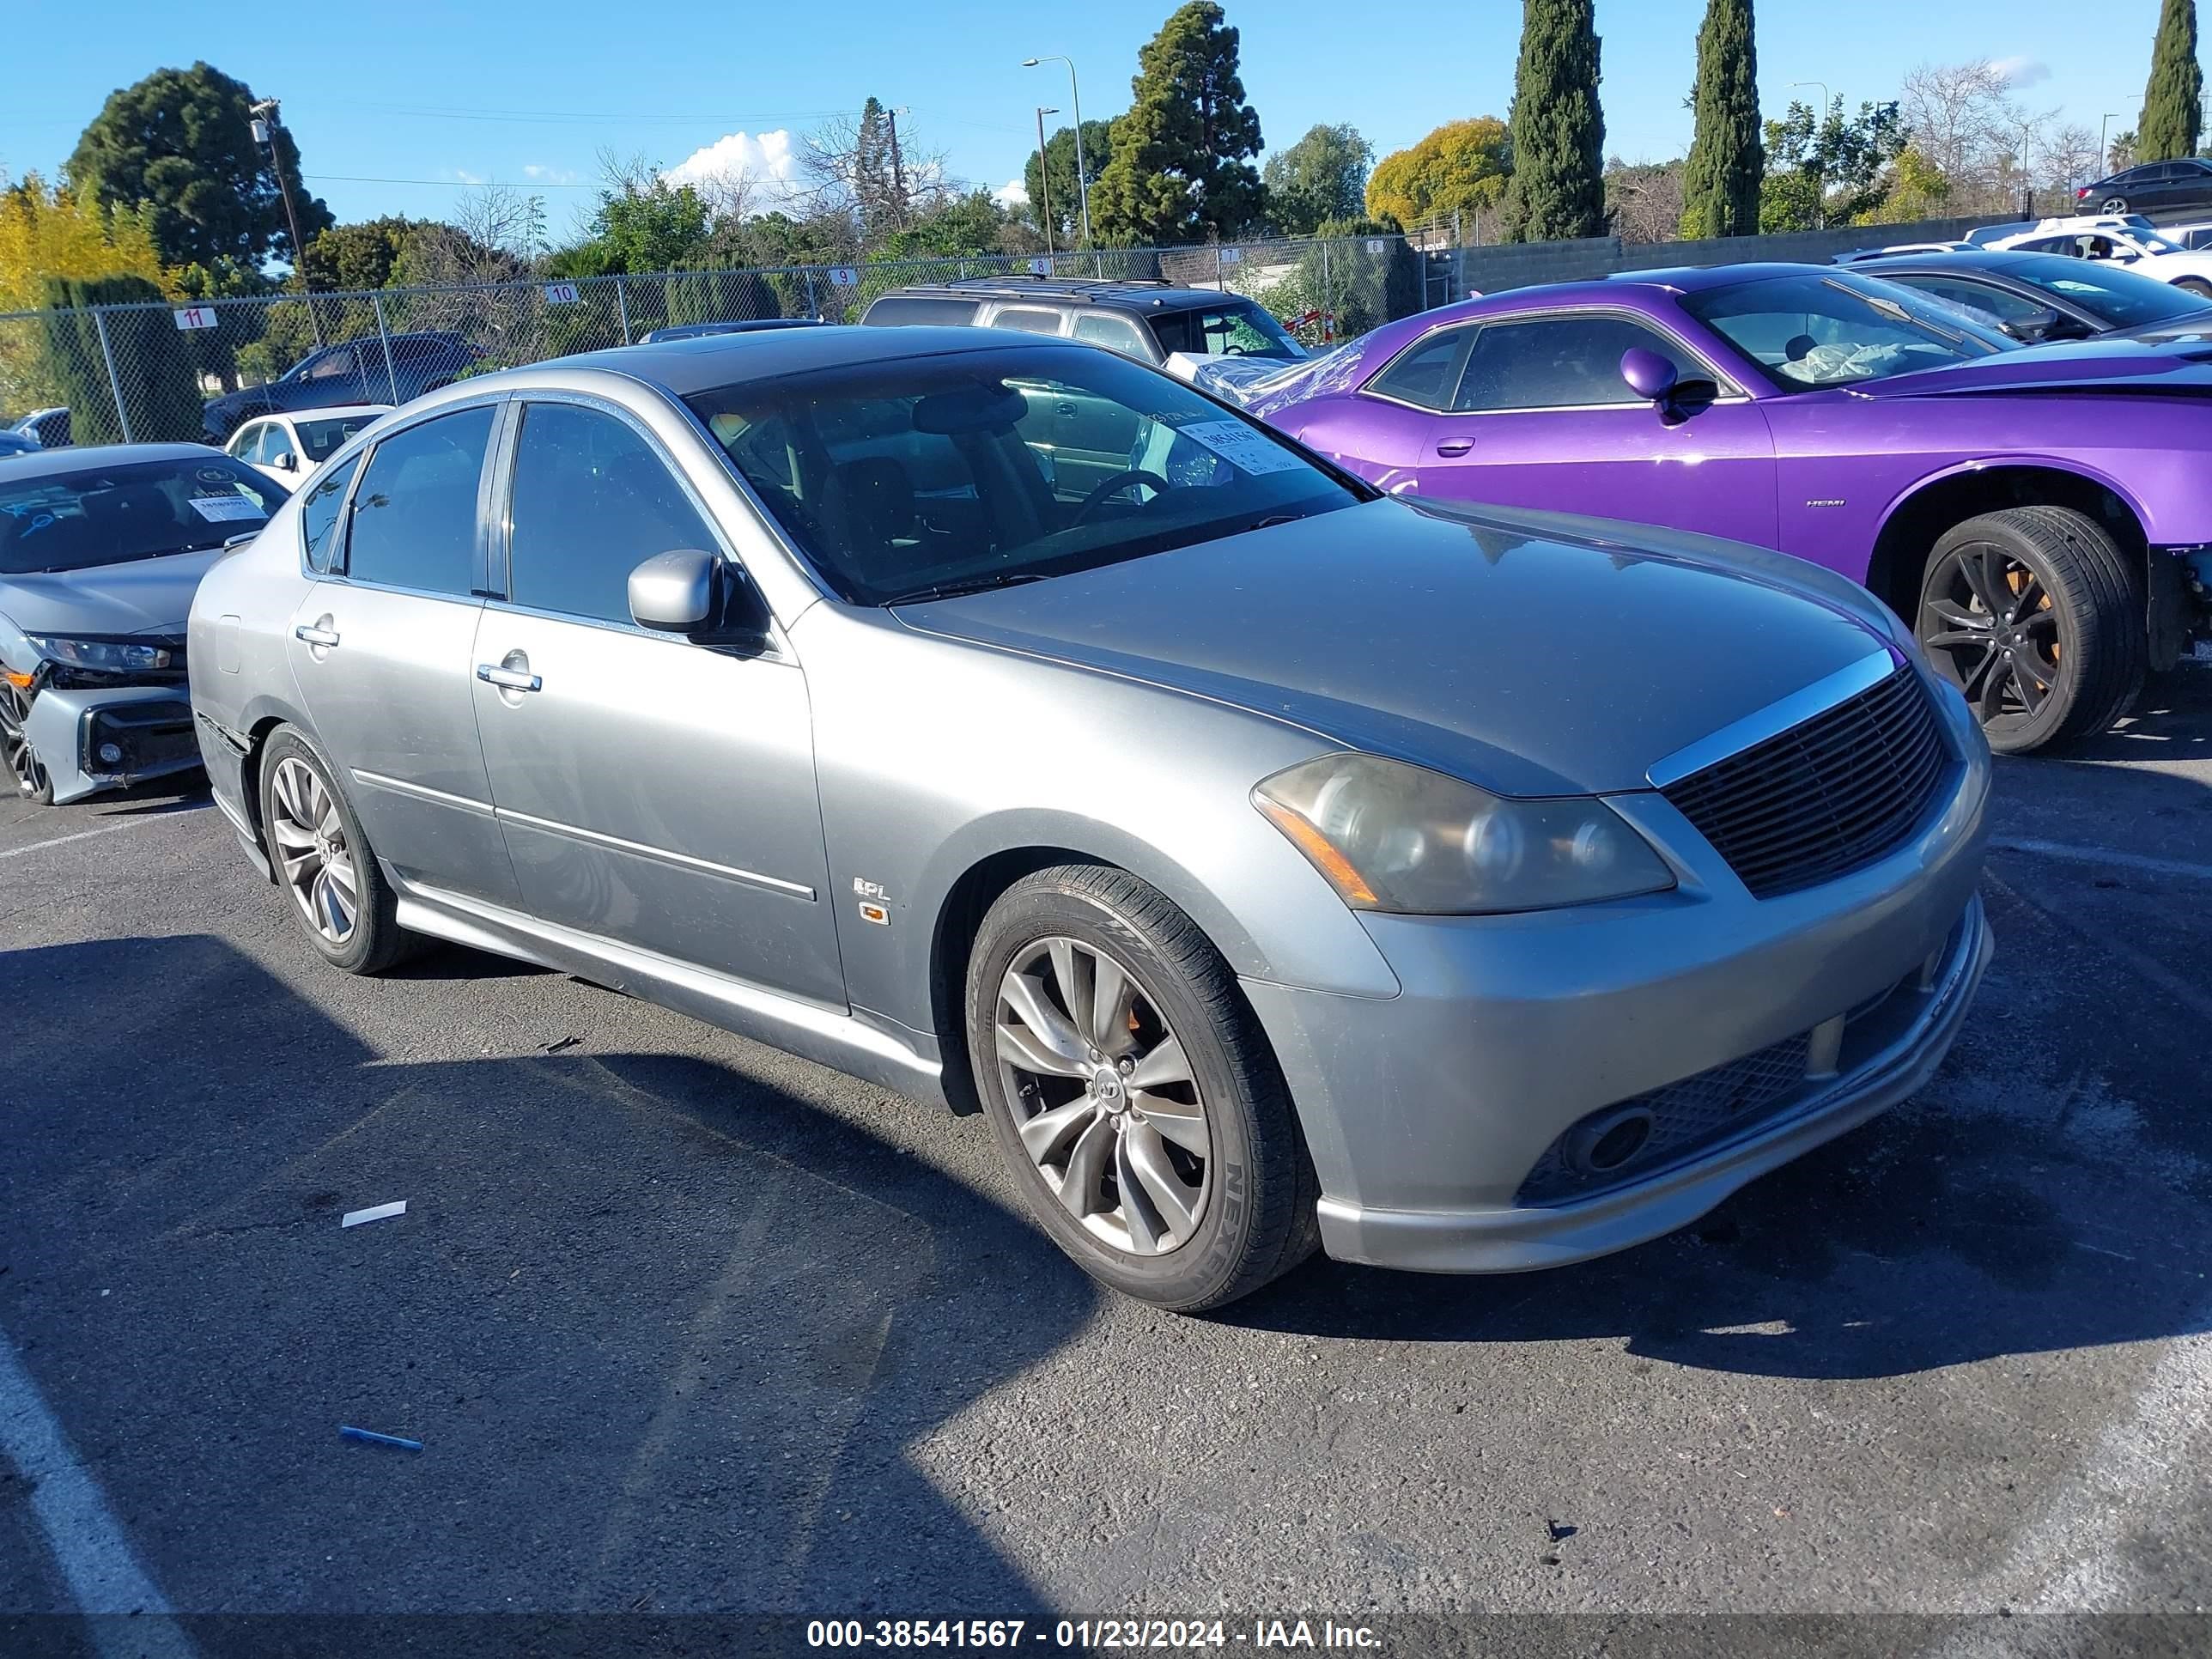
(562, 294)
(191, 317)
(1375, 246)
(1229, 256)
(1040, 266)
(844, 276)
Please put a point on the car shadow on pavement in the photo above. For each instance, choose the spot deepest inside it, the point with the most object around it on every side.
(670, 1334)
(2172, 720)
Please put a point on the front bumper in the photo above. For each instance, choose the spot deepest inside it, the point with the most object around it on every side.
(111, 737)
(1436, 1119)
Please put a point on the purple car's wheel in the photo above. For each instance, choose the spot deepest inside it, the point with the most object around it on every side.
(2032, 613)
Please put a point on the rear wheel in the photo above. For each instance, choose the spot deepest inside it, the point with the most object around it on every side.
(2196, 285)
(323, 861)
(32, 781)
(1133, 1093)
(2034, 614)
(2113, 204)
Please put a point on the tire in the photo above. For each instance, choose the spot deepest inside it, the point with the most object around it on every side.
(373, 940)
(2113, 204)
(2196, 285)
(1254, 1217)
(2070, 661)
(26, 772)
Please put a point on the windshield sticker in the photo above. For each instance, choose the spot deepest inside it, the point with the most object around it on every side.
(213, 475)
(1242, 447)
(217, 508)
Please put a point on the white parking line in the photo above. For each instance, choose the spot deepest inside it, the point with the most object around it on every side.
(104, 829)
(96, 1560)
(2059, 849)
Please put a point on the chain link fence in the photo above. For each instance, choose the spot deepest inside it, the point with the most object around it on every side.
(153, 372)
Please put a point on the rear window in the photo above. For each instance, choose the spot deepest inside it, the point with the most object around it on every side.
(899, 310)
(323, 438)
(97, 515)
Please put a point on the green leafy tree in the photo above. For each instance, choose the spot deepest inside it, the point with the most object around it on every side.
(1060, 173)
(1828, 170)
(1461, 168)
(372, 254)
(2173, 101)
(161, 399)
(1323, 176)
(1558, 130)
(1181, 170)
(953, 226)
(178, 145)
(1721, 181)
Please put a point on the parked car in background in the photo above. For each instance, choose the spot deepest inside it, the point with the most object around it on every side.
(49, 428)
(100, 548)
(17, 443)
(2036, 516)
(706, 331)
(2040, 297)
(1243, 846)
(288, 448)
(1860, 256)
(356, 372)
(2181, 186)
(2119, 241)
(1178, 329)
(2195, 236)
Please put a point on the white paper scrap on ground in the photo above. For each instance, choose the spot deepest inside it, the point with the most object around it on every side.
(354, 1218)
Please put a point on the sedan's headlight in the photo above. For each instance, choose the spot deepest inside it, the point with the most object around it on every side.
(114, 656)
(1390, 836)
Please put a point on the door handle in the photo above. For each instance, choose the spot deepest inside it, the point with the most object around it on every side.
(308, 634)
(508, 679)
(1066, 412)
(1454, 445)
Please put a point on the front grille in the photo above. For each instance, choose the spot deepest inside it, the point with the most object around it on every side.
(1679, 1119)
(1826, 796)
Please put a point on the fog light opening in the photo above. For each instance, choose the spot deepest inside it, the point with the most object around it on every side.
(1607, 1143)
(111, 754)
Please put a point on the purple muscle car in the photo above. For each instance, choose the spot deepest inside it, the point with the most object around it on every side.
(2041, 516)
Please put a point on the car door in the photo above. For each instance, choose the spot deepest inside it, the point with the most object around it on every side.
(382, 648)
(1530, 410)
(652, 790)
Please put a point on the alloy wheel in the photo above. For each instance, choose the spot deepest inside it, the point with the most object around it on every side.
(1988, 622)
(314, 853)
(23, 760)
(1103, 1096)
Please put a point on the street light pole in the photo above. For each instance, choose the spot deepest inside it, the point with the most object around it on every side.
(1044, 185)
(2104, 153)
(265, 128)
(1075, 102)
(2027, 173)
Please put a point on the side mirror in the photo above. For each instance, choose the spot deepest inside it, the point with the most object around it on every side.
(675, 593)
(289, 460)
(1650, 375)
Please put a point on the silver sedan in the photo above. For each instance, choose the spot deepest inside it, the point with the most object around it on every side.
(1275, 864)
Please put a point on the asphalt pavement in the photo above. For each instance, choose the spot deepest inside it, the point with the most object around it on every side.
(683, 1324)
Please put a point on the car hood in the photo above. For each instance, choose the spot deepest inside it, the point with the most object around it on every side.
(144, 596)
(1506, 649)
(2110, 365)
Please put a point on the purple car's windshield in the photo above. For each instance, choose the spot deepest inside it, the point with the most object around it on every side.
(918, 477)
(1811, 330)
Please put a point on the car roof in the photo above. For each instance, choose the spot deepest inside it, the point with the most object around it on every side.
(1980, 258)
(1127, 294)
(683, 367)
(1692, 279)
(86, 458)
(324, 412)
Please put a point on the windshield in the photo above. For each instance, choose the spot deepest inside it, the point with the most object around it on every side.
(1235, 328)
(1811, 330)
(320, 438)
(910, 477)
(96, 515)
(2122, 299)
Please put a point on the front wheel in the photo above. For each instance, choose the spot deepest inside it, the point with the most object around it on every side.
(2034, 614)
(2196, 285)
(32, 781)
(1133, 1093)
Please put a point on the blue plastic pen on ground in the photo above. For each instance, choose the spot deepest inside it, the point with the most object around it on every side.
(374, 1438)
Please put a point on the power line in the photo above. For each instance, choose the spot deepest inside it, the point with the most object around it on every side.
(442, 184)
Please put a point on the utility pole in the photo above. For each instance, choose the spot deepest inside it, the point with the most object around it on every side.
(898, 171)
(1044, 185)
(265, 131)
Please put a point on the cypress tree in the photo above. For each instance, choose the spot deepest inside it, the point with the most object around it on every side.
(1721, 180)
(1558, 131)
(1182, 168)
(2173, 110)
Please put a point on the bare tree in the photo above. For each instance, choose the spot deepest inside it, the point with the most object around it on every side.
(1966, 125)
(1644, 200)
(2069, 159)
(496, 235)
(869, 168)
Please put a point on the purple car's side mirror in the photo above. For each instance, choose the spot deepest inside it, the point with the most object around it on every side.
(1650, 375)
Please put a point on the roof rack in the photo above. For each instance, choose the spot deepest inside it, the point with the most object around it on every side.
(1074, 284)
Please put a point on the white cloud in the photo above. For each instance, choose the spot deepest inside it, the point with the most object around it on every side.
(544, 175)
(1011, 194)
(461, 175)
(2021, 71)
(766, 161)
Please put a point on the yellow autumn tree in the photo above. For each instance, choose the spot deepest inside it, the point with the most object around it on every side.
(1462, 165)
(47, 231)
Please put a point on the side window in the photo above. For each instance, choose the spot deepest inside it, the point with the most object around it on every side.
(1987, 303)
(1426, 372)
(318, 514)
(592, 501)
(275, 444)
(333, 365)
(414, 516)
(899, 309)
(1558, 363)
(1114, 333)
(1029, 321)
(243, 441)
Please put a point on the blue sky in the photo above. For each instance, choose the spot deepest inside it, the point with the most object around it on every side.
(527, 93)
